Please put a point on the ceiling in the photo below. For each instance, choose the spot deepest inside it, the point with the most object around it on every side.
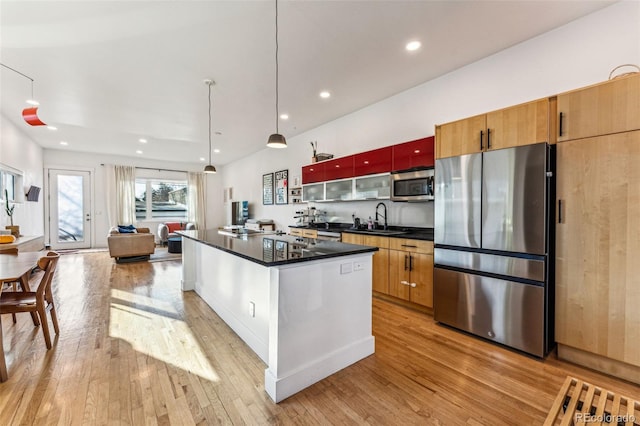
(108, 73)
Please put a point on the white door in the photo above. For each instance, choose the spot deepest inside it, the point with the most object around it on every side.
(69, 209)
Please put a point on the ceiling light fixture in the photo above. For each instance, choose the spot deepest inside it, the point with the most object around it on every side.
(64, 143)
(52, 128)
(413, 45)
(141, 140)
(216, 151)
(325, 94)
(276, 140)
(209, 167)
(284, 116)
(138, 152)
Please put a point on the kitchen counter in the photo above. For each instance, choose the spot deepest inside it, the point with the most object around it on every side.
(391, 231)
(302, 305)
(273, 249)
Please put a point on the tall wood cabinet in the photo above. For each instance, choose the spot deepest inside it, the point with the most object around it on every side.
(598, 227)
(598, 246)
(522, 124)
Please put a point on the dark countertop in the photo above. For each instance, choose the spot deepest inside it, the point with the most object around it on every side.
(391, 231)
(272, 249)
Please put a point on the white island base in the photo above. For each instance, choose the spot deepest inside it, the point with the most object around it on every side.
(305, 320)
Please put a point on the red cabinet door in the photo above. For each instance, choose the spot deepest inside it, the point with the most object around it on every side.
(313, 173)
(338, 168)
(418, 153)
(372, 162)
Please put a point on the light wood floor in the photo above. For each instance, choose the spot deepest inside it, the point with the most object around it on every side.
(136, 350)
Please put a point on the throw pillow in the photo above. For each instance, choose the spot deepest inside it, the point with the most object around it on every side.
(127, 229)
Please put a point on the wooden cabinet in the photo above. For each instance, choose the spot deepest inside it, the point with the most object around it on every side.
(522, 124)
(380, 258)
(417, 153)
(373, 162)
(598, 247)
(602, 109)
(411, 270)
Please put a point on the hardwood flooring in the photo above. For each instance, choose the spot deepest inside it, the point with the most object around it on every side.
(134, 349)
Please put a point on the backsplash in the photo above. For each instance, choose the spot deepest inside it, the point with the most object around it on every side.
(398, 214)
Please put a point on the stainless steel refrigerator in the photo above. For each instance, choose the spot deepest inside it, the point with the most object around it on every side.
(494, 245)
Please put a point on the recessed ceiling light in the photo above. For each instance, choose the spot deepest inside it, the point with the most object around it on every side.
(413, 45)
(52, 128)
(202, 159)
(217, 151)
(142, 140)
(138, 152)
(64, 143)
(284, 116)
(33, 102)
(325, 94)
(218, 133)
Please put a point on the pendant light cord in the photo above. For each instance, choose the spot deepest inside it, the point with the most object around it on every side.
(277, 112)
(209, 84)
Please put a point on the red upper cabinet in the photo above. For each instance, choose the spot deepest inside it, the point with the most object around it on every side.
(372, 162)
(338, 168)
(313, 173)
(418, 153)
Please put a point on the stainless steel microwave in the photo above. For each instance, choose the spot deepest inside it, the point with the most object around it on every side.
(412, 185)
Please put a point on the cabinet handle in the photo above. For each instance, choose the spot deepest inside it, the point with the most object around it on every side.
(488, 138)
(560, 124)
(413, 285)
(406, 245)
(404, 282)
(405, 262)
(481, 137)
(559, 211)
(410, 263)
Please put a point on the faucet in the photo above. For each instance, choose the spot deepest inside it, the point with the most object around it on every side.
(384, 216)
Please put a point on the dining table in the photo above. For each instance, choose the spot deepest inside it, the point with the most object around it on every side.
(15, 268)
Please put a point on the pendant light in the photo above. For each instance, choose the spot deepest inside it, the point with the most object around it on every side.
(276, 140)
(209, 167)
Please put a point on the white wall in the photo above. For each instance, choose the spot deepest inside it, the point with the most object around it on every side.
(69, 160)
(20, 152)
(580, 53)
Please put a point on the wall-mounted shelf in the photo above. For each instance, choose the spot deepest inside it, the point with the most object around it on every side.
(295, 195)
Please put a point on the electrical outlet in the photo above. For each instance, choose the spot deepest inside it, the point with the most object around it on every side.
(252, 309)
(346, 268)
(358, 266)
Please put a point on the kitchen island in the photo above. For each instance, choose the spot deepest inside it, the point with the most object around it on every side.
(302, 305)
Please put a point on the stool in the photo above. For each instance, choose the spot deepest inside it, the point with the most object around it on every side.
(174, 244)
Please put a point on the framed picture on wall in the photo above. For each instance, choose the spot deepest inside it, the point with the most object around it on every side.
(282, 187)
(267, 189)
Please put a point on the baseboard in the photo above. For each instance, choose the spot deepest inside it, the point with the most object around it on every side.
(600, 363)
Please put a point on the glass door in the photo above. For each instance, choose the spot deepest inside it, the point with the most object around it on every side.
(70, 209)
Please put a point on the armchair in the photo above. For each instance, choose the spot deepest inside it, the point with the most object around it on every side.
(168, 229)
(131, 245)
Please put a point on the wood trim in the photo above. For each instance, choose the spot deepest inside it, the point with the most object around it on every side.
(600, 363)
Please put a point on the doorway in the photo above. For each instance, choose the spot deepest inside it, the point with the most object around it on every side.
(69, 209)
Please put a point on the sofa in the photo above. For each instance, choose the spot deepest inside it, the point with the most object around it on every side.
(167, 230)
(131, 245)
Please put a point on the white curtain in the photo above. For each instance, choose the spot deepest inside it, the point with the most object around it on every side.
(110, 189)
(196, 199)
(125, 194)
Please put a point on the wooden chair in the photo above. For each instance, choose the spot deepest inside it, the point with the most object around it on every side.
(39, 301)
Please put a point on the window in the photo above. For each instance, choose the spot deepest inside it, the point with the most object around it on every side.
(161, 199)
(11, 181)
